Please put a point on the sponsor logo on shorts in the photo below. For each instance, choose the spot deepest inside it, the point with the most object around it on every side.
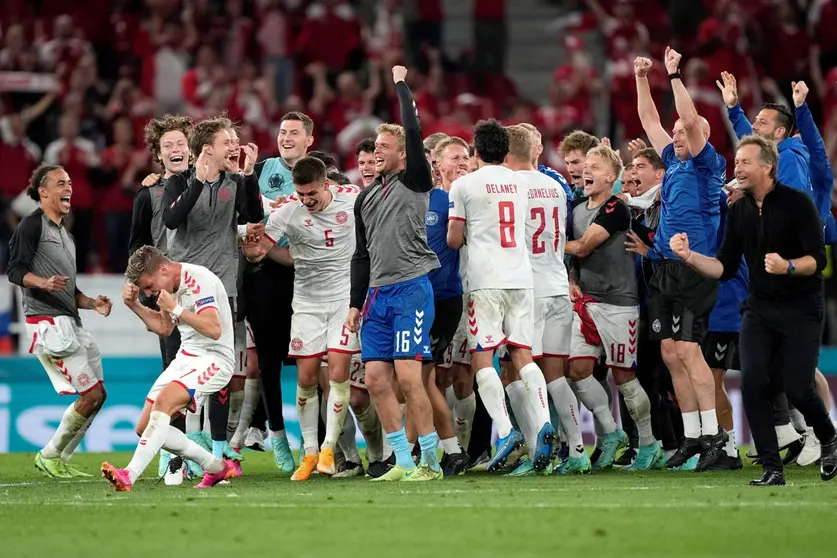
(656, 326)
(205, 301)
(296, 344)
(341, 218)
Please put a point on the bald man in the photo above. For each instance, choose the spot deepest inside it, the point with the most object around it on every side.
(679, 299)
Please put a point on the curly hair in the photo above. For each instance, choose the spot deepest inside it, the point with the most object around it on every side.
(155, 130)
(491, 141)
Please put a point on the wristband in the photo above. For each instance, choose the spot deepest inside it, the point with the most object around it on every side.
(675, 75)
(177, 311)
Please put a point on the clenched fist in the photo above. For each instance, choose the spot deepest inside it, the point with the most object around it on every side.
(775, 264)
(353, 320)
(642, 66)
(130, 292)
(800, 92)
(166, 301)
(672, 60)
(399, 73)
(679, 244)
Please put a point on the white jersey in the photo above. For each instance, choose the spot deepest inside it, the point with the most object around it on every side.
(546, 234)
(493, 203)
(322, 244)
(200, 290)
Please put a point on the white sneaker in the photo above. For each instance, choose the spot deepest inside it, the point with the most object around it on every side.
(174, 477)
(812, 451)
(254, 439)
(785, 436)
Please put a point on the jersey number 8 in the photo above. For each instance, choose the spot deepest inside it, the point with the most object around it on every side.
(506, 210)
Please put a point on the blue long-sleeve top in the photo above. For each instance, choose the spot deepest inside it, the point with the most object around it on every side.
(822, 175)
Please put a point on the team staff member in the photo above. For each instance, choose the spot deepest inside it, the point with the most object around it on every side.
(778, 231)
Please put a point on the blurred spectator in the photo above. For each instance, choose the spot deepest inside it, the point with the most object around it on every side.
(336, 21)
(575, 84)
(490, 38)
(422, 27)
(13, 49)
(130, 101)
(384, 41)
(65, 49)
(164, 64)
(276, 41)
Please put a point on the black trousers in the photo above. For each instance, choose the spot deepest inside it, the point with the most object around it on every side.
(780, 342)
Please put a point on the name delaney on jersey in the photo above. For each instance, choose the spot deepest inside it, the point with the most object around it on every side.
(501, 188)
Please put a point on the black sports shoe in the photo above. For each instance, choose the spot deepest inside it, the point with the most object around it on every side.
(626, 459)
(828, 465)
(727, 463)
(712, 447)
(416, 454)
(770, 478)
(482, 459)
(688, 447)
(454, 464)
(597, 453)
(794, 449)
(378, 469)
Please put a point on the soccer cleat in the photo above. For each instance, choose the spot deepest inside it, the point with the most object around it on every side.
(689, 465)
(349, 469)
(770, 478)
(237, 472)
(117, 477)
(688, 448)
(325, 465)
(53, 468)
(306, 467)
(193, 470)
(646, 457)
(163, 463)
(202, 439)
(626, 459)
(75, 473)
(480, 463)
(661, 461)
(416, 453)
(175, 472)
(282, 455)
(254, 439)
(423, 473)
(811, 451)
(727, 463)
(232, 453)
(525, 469)
(597, 451)
(828, 466)
(576, 465)
(712, 447)
(211, 479)
(503, 450)
(611, 444)
(454, 464)
(396, 473)
(378, 469)
(544, 448)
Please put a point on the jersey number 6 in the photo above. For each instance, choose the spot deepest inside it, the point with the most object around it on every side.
(506, 210)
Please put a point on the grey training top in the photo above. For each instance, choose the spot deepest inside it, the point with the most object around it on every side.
(44, 248)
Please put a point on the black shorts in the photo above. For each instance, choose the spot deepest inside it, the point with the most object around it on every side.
(720, 349)
(446, 320)
(679, 302)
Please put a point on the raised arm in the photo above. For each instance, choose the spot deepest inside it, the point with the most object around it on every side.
(417, 177)
(648, 114)
(811, 137)
(685, 106)
(729, 91)
(248, 198)
(360, 259)
(179, 197)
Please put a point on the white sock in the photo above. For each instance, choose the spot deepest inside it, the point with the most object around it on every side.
(594, 397)
(248, 407)
(566, 405)
(67, 453)
(370, 427)
(338, 404)
(538, 398)
(797, 420)
(71, 423)
(193, 421)
(178, 444)
(308, 410)
(451, 446)
(152, 439)
(450, 397)
(708, 423)
(494, 399)
(464, 410)
(691, 424)
(730, 448)
(347, 441)
(519, 399)
(639, 406)
(236, 402)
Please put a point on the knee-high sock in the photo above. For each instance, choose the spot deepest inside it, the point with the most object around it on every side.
(236, 402)
(566, 406)
(536, 391)
(519, 399)
(338, 404)
(218, 408)
(178, 444)
(347, 441)
(428, 444)
(593, 396)
(193, 421)
(450, 397)
(308, 409)
(152, 439)
(248, 406)
(370, 427)
(493, 397)
(639, 406)
(464, 410)
(67, 453)
(70, 424)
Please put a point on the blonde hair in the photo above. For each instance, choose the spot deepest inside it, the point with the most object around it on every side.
(768, 152)
(448, 141)
(609, 155)
(431, 141)
(146, 260)
(395, 130)
(520, 142)
(536, 134)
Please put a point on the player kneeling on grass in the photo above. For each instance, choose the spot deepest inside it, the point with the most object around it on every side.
(194, 300)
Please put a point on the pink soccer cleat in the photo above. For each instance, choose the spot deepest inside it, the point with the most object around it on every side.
(211, 479)
(117, 477)
(236, 469)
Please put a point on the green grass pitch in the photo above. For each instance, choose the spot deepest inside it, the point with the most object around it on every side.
(613, 514)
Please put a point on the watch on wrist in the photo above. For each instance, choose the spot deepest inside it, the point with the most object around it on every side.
(791, 267)
(674, 75)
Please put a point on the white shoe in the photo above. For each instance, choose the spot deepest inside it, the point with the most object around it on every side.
(174, 477)
(254, 439)
(785, 436)
(812, 451)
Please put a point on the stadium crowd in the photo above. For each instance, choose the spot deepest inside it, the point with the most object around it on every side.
(369, 288)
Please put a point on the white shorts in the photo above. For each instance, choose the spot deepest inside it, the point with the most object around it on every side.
(200, 375)
(500, 316)
(357, 373)
(67, 352)
(617, 327)
(240, 348)
(553, 327)
(458, 349)
(319, 328)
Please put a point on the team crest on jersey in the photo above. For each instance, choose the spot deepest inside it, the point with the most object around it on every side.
(431, 218)
(656, 326)
(276, 181)
(296, 344)
(341, 218)
(225, 195)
